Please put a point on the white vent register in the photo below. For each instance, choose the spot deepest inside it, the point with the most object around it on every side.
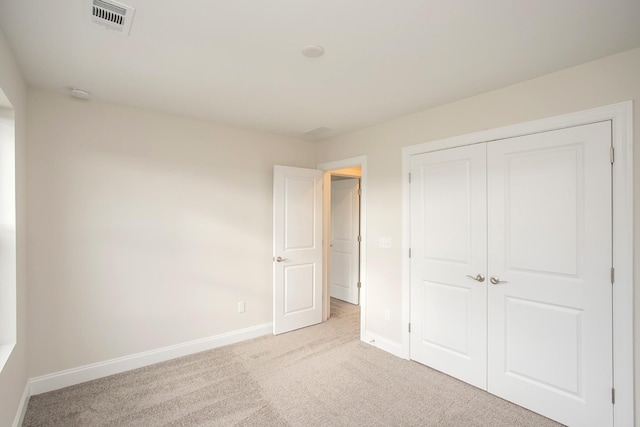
(112, 15)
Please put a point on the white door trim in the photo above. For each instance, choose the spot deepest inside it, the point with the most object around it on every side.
(341, 164)
(621, 115)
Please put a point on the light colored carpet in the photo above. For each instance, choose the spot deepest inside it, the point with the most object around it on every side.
(318, 376)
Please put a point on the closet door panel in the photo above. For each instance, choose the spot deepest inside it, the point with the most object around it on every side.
(549, 227)
(448, 242)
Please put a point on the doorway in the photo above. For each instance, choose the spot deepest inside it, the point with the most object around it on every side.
(344, 245)
(355, 167)
(301, 255)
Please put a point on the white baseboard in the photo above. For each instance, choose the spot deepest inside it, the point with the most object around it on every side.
(22, 408)
(384, 344)
(94, 371)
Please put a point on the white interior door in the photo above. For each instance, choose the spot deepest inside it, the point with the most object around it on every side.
(448, 244)
(345, 245)
(550, 242)
(297, 248)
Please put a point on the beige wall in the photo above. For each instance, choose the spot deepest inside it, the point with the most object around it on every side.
(13, 377)
(145, 229)
(606, 81)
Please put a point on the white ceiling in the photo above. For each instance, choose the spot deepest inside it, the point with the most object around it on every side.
(238, 62)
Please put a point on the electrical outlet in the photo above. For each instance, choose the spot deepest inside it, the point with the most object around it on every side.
(387, 314)
(241, 307)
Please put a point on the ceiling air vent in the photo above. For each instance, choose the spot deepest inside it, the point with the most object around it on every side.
(112, 15)
(318, 133)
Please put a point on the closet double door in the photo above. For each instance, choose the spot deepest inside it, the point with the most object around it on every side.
(511, 269)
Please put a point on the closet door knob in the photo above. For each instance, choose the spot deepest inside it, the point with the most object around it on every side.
(479, 277)
(496, 280)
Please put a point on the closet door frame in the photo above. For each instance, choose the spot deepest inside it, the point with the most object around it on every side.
(621, 117)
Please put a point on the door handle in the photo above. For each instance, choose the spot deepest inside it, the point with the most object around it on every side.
(496, 280)
(280, 259)
(479, 277)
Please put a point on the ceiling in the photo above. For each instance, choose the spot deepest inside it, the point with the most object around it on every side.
(239, 62)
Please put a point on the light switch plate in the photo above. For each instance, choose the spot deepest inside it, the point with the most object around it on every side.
(385, 242)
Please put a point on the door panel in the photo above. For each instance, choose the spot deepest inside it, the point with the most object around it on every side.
(545, 185)
(446, 220)
(298, 296)
(345, 247)
(299, 206)
(549, 323)
(297, 242)
(448, 243)
(448, 305)
(524, 319)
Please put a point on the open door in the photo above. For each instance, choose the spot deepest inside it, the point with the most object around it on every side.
(297, 248)
(345, 239)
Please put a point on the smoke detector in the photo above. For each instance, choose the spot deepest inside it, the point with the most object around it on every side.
(111, 15)
(313, 51)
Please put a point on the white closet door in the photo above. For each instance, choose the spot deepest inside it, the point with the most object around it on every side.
(549, 323)
(448, 242)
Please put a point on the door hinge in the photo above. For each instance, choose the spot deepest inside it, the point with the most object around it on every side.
(409, 178)
(613, 274)
(611, 155)
(359, 285)
(359, 238)
(613, 396)
(359, 192)
(409, 252)
(409, 327)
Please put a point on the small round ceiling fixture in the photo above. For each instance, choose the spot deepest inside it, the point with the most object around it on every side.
(79, 93)
(312, 51)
